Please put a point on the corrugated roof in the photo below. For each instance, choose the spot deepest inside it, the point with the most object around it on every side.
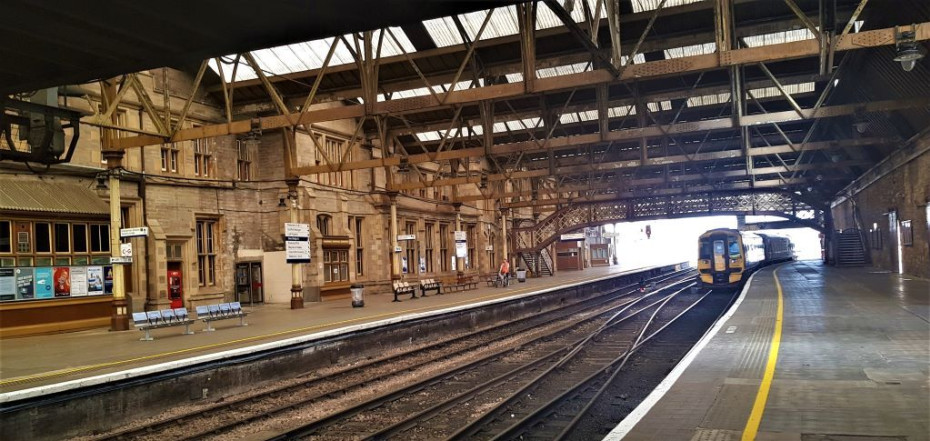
(51, 197)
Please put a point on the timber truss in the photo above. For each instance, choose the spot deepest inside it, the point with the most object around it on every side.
(573, 217)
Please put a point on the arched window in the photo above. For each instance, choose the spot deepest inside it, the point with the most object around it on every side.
(324, 223)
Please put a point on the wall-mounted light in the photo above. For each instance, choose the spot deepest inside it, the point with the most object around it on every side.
(281, 203)
(907, 52)
(102, 181)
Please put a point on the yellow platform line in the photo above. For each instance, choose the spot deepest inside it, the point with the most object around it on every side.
(99, 366)
(755, 417)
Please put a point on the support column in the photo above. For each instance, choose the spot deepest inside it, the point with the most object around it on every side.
(297, 290)
(505, 244)
(119, 316)
(395, 261)
(459, 262)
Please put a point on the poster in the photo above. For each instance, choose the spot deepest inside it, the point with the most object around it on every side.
(78, 281)
(95, 280)
(25, 283)
(461, 249)
(422, 264)
(108, 280)
(62, 281)
(7, 284)
(403, 265)
(44, 283)
(453, 263)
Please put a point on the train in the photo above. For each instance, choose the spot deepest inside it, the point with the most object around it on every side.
(726, 257)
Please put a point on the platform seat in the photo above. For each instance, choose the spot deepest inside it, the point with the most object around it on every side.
(400, 287)
(221, 311)
(430, 284)
(146, 321)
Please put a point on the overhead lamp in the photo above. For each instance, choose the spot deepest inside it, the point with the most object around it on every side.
(907, 52)
(404, 166)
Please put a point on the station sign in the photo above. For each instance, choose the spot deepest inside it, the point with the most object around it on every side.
(134, 232)
(120, 260)
(571, 236)
(296, 251)
(296, 231)
(402, 237)
(461, 244)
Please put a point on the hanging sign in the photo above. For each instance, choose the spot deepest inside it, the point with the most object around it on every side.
(120, 260)
(134, 232)
(402, 237)
(489, 248)
(572, 236)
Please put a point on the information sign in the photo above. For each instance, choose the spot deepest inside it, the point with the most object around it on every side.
(134, 232)
(460, 235)
(125, 249)
(120, 260)
(294, 230)
(401, 237)
(572, 236)
(297, 251)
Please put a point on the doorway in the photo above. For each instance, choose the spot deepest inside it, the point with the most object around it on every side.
(249, 285)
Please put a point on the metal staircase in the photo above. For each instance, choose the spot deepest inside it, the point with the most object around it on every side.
(850, 250)
(539, 262)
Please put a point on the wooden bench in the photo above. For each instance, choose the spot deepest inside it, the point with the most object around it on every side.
(404, 288)
(460, 283)
(221, 311)
(146, 321)
(430, 284)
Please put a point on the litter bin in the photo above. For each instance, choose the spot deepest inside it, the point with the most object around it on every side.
(357, 291)
(521, 275)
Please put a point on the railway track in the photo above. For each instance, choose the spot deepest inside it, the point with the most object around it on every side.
(290, 400)
(436, 407)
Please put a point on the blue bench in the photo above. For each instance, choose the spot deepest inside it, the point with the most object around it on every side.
(222, 311)
(146, 321)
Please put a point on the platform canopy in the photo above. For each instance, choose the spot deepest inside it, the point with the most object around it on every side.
(557, 101)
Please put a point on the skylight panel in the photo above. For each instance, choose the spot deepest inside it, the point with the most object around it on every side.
(651, 5)
(690, 51)
(444, 33)
(546, 19)
(621, 111)
(310, 55)
(772, 91)
(707, 100)
(663, 105)
(779, 37)
(548, 72)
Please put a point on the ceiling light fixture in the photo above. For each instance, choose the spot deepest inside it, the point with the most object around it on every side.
(907, 52)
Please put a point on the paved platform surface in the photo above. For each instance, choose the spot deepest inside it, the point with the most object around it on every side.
(29, 362)
(853, 364)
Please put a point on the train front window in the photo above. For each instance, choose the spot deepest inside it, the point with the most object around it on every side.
(734, 250)
(718, 248)
(705, 251)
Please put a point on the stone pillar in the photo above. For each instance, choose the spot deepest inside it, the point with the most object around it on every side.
(119, 316)
(395, 259)
(297, 290)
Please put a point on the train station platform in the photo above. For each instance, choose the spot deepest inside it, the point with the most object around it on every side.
(71, 358)
(846, 357)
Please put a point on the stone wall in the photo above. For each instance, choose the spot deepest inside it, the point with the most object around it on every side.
(900, 184)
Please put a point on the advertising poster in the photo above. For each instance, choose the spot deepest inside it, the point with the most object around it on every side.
(422, 264)
(108, 280)
(78, 281)
(62, 281)
(44, 283)
(453, 263)
(25, 283)
(7, 284)
(95, 280)
(403, 265)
